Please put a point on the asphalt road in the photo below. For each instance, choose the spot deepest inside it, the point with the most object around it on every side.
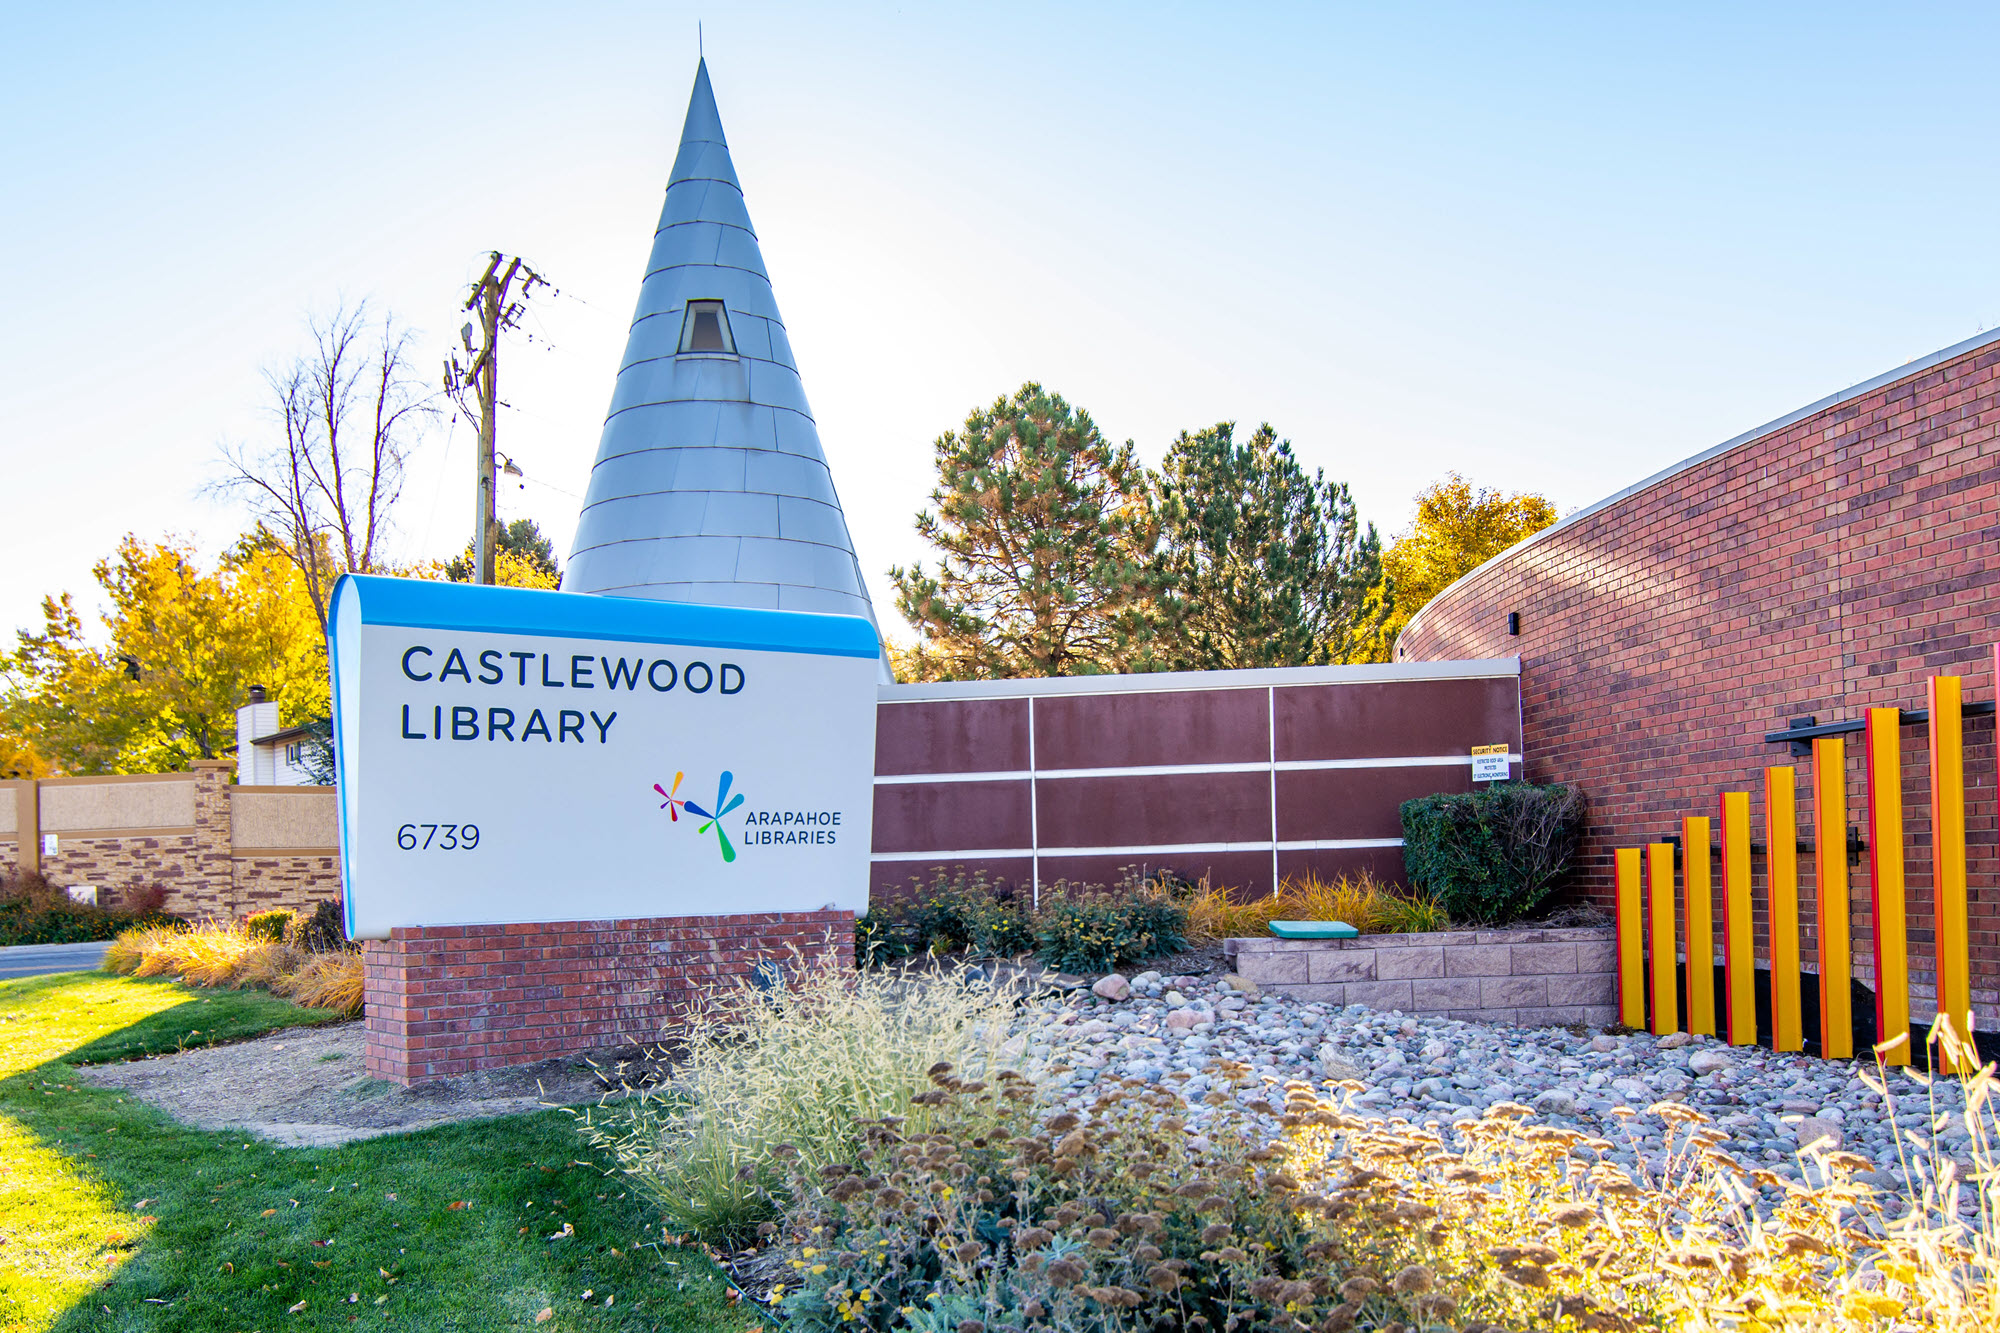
(34, 960)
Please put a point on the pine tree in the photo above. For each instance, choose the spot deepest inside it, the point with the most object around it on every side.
(1261, 564)
(1044, 530)
(523, 558)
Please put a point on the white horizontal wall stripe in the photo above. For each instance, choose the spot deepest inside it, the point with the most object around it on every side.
(1184, 848)
(1169, 770)
(907, 779)
(979, 854)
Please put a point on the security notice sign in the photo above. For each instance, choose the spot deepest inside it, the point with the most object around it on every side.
(1489, 763)
(508, 755)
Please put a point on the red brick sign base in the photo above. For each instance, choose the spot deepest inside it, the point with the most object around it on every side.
(446, 1000)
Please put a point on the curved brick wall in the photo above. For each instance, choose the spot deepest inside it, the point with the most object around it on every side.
(1821, 565)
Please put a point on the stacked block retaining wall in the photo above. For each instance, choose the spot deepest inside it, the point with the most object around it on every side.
(1533, 977)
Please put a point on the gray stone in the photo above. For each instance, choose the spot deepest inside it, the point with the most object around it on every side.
(1709, 1061)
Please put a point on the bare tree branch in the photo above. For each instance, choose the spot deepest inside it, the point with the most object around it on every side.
(348, 413)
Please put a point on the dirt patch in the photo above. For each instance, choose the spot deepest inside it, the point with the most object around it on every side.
(309, 1088)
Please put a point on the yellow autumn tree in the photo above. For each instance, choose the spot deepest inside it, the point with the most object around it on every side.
(180, 650)
(1456, 530)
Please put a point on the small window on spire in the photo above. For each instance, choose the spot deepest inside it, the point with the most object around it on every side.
(706, 329)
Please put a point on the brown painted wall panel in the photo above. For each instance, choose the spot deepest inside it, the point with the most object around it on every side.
(1376, 721)
(1357, 802)
(891, 880)
(1154, 811)
(1250, 871)
(1153, 727)
(954, 736)
(947, 816)
(1384, 863)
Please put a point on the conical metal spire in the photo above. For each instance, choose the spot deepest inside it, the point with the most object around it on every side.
(710, 485)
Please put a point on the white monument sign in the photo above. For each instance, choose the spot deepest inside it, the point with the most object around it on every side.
(508, 755)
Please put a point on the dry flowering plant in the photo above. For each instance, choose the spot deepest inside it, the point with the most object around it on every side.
(1000, 1215)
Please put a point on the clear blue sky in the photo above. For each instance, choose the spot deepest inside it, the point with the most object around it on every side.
(1554, 248)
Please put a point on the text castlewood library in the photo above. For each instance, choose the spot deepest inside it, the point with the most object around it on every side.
(460, 722)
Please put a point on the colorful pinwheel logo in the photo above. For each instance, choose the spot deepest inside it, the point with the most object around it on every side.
(724, 803)
(671, 805)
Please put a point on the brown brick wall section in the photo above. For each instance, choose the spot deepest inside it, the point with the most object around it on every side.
(445, 1000)
(1824, 568)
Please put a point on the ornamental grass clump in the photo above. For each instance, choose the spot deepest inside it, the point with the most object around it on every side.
(1362, 901)
(267, 952)
(801, 1064)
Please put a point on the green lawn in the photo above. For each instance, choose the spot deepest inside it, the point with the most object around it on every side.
(114, 1217)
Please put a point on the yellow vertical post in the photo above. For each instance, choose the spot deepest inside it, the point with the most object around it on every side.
(1660, 890)
(1631, 951)
(1836, 959)
(1739, 958)
(1781, 867)
(1885, 880)
(1700, 925)
(1954, 957)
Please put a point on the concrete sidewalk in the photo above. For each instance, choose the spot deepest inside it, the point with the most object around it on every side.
(34, 960)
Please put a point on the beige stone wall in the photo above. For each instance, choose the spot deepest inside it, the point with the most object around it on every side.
(1531, 977)
(9, 821)
(215, 849)
(166, 801)
(263, 818)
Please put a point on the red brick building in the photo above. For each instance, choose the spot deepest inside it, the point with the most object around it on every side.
(1817, 566)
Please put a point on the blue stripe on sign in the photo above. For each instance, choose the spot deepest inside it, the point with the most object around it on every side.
(475, 608)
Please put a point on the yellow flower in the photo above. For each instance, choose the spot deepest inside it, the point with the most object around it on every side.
(818, 1269)
(777, 1294)
(1873, 1302)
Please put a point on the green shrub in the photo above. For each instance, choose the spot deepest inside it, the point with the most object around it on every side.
(1082, 928)
(35, 911)
(953, 912)
(1077, 927)
(269, 925)
(1489, 856)
(325, 931)
(798, 1066)
(1009, 1218)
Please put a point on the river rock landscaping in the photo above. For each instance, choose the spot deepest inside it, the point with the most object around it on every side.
(1184, 1031)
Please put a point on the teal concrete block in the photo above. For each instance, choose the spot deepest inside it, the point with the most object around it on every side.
(1313, 930)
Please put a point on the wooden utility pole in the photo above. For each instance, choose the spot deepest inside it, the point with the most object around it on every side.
(482, 379)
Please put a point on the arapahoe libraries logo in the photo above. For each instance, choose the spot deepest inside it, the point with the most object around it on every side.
(762, 828)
